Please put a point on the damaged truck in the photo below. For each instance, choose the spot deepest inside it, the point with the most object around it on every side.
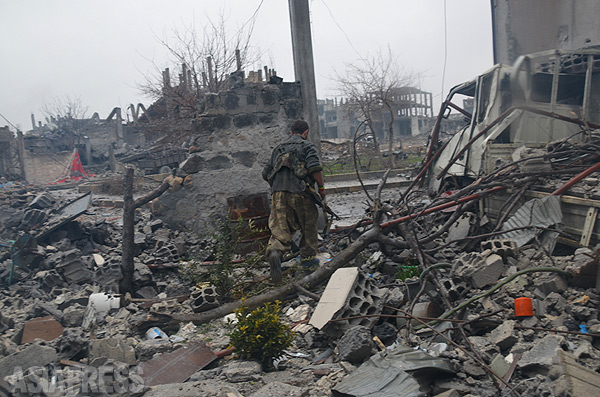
(520, 115)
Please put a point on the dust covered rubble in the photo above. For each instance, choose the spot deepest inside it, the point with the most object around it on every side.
(82, 259)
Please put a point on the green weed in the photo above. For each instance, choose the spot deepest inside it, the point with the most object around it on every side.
(259, 334)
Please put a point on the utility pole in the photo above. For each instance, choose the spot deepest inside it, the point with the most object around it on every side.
(304, 67)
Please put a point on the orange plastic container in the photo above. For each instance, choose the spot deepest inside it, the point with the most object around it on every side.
(523, 307)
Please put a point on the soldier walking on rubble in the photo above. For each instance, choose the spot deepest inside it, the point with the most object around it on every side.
(293, 167)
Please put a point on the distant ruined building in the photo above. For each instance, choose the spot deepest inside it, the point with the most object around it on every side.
(413, 115)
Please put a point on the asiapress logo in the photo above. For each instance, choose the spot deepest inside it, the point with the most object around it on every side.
(104, 380)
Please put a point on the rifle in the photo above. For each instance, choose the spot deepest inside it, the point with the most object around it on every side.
(316, 197)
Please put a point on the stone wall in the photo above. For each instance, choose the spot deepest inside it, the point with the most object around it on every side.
(232, 141)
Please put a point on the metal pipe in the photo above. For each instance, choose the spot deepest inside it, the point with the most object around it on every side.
(442, 206)
(575, 179)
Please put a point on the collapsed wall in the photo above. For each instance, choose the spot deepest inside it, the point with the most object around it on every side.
(231, 142)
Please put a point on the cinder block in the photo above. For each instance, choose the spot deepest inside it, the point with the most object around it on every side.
(167, 254)
(503, 247)
(456, 289)
(204, 299)
(478, 270)
(348, 294)
(492, 270)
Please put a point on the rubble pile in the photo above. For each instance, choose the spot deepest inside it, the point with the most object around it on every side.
(428, 297)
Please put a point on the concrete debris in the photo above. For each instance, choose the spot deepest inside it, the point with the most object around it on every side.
(204, 299)
(280, 389)
(368, 328)
(114, 349)
(479, 270)
(356, 345)
(356, 296)
(33, 355)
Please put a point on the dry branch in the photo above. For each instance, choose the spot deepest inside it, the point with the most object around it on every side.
(308, 282)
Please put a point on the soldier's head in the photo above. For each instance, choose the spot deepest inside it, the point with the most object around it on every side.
(299, 127)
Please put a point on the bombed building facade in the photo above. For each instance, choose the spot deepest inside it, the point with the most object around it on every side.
(413, 115)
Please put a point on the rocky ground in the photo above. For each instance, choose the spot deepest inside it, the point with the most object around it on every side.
(66, 332)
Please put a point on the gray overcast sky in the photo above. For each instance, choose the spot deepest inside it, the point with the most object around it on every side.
(99, 50)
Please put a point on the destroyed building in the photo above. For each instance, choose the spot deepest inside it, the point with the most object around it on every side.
(421, 292)
(413, 111)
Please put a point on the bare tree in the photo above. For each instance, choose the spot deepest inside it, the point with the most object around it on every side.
(206, 57)
(66, 116)
(371, 87)
(66, 108)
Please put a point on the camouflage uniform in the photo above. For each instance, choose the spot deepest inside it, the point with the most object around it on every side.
(291, 212)
(292, 209)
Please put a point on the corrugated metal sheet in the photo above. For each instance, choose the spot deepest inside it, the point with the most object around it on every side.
(177, 366)
(541, 213)
(387, 374)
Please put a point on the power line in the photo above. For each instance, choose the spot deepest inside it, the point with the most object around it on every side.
(251, 19)
(445, 47)
(342, 29)
(8, 121)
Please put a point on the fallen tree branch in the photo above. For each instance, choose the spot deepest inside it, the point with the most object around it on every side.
(306, 292)
(310, 281)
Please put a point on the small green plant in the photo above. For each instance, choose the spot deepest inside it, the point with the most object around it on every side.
(220, 258)
(260, 335)
(405, 272)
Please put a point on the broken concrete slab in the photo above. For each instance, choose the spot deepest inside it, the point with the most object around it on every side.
(542, 354)
(356, 345)
(115, 349)
(243, 371)
(98, 259)
(279, 389)
(73, 315)
(72, 343)
(551, 282)
(42, 201)
(504, 335)
(334, 297)
(500, 364)
(31, 356)
(146, 349)
(583, 268)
